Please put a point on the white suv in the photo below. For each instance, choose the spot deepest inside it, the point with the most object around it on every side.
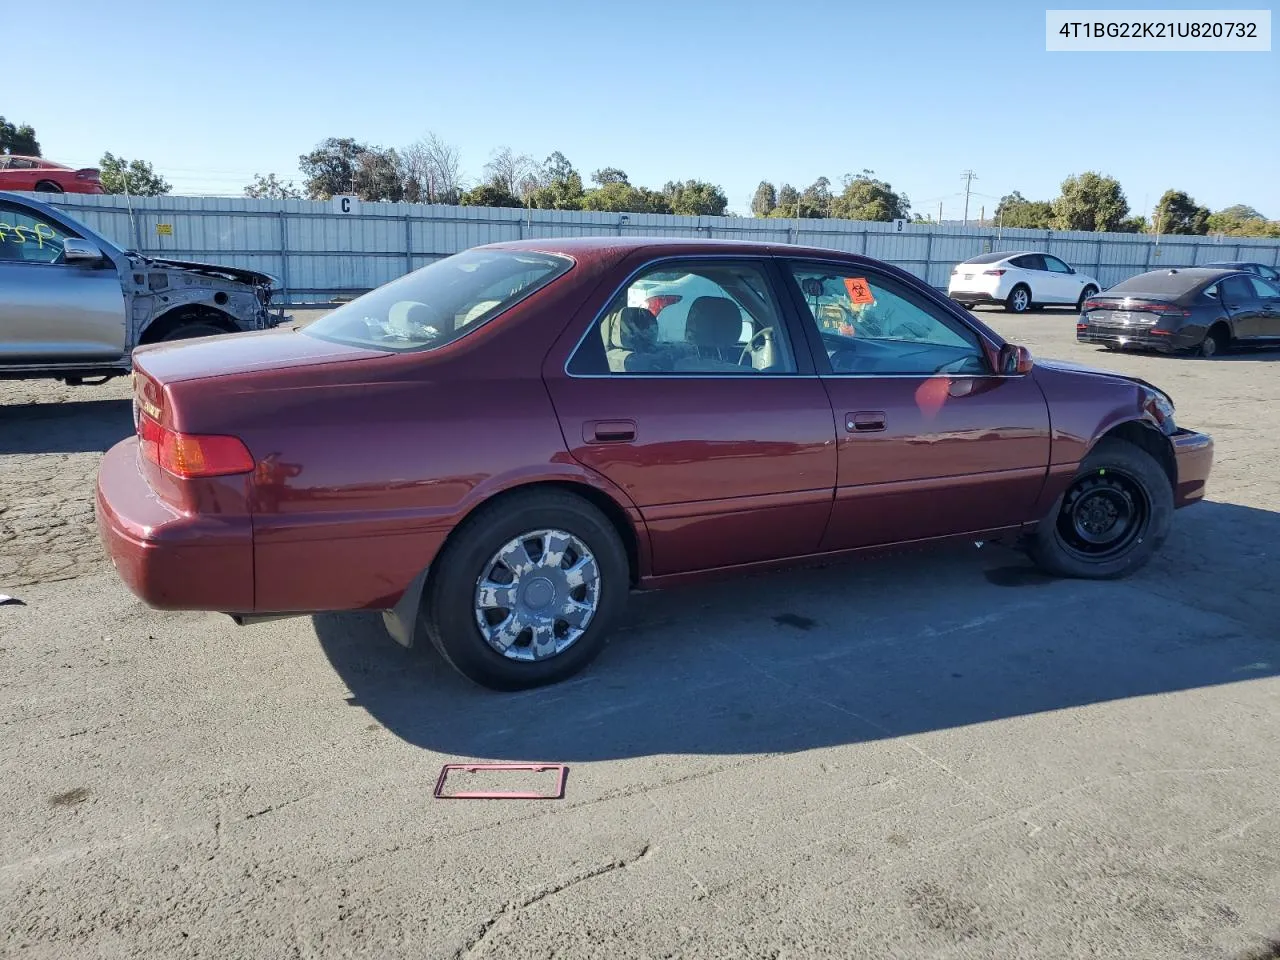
(1020, 281)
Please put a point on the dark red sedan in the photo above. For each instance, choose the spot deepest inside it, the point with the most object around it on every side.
(496, 448)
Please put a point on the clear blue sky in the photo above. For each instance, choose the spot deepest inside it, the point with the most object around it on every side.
(211, 93)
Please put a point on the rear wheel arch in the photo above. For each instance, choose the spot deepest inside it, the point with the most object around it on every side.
(169, 321)
(48, 186)
(402, 620)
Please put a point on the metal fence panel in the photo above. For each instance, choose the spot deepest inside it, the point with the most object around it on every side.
(318, 252)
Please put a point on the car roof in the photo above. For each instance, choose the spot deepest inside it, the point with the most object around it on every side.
(1233, 263)
(611, 248)
(45, 164)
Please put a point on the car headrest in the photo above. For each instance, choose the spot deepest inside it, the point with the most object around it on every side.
(713, 322)
(633, 328)
(409, 318)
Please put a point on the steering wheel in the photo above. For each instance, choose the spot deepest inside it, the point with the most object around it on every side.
(765, 337)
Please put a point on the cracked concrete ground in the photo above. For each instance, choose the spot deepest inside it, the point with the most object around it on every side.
(931, 755)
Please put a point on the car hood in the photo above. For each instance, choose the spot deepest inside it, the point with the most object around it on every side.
(241, 353)
(1066, 366)
(251, 277)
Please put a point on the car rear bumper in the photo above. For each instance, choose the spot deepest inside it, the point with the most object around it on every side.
(1136, 338)
(1193, 458)
(170, 559)
(975, 296)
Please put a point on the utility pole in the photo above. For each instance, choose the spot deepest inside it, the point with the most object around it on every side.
(939, 211)
(982, 215)
(968, 177)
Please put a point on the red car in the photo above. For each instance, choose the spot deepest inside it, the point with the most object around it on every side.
(45, 176)
(496, 448)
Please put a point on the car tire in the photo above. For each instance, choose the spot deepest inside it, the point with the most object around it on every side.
(1217, 340)
(48, 186)
(1019, 299)
(1118, 483)
(189, 331)
(455, 605)
(1085, 294)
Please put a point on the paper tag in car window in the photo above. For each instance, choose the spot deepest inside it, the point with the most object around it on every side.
(859, 290)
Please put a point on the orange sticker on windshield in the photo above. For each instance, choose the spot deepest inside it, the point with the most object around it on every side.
(859, 290)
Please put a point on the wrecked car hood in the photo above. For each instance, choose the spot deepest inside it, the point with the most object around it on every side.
(252, 277)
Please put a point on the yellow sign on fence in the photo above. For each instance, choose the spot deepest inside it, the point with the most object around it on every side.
(164, 229)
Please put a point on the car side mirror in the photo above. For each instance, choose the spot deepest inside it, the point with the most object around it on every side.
(80, 251)
(1015, 360)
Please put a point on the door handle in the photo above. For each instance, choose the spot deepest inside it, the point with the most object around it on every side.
(609, 431)
(865, 421)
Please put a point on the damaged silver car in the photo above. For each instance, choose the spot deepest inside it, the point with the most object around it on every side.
(73, 305)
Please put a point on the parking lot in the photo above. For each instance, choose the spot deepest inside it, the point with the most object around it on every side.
(928, 755)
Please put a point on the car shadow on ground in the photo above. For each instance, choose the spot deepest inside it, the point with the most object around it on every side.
(72, 427)
(852, 652)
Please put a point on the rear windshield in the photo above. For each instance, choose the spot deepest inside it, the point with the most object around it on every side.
(441, 302)
(988, 258)
(1162, 282)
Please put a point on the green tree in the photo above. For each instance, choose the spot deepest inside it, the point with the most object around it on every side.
(608, 175)
(378, 175)
(271, 187)
(490, 195)
(330, 169)
(1090, 201)
(1178, 213)
(560, 185)
(1136, 224)
(130, 176)
(18, 139)
(867, 198)
(621, 197)
(815, 200)
(695, 198)
(1241, 220)
(765, 200)
(788, 202)
(1015, 210)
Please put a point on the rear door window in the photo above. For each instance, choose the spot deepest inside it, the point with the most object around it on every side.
(1030, 261)
(1236, 291)
(689, 318)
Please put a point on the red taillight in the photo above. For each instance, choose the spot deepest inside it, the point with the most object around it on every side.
(1095, 305)
(87, 174)
(190, 455)
(993, 273)
(656, 305)
(1163, 309)
(1081, 326)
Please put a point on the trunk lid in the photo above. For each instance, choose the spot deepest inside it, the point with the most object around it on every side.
(242, 353)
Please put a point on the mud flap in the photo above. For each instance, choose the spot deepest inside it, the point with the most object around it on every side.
(402, 620)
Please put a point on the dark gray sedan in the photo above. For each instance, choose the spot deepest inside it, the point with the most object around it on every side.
(1198, 309)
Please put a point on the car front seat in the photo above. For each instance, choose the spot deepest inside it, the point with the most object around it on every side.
(632, 341)
(713, 327)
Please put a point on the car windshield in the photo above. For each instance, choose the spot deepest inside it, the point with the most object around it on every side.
(441, 302)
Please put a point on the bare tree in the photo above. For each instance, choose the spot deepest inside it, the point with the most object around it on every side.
(515, 173)
(432, 171)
